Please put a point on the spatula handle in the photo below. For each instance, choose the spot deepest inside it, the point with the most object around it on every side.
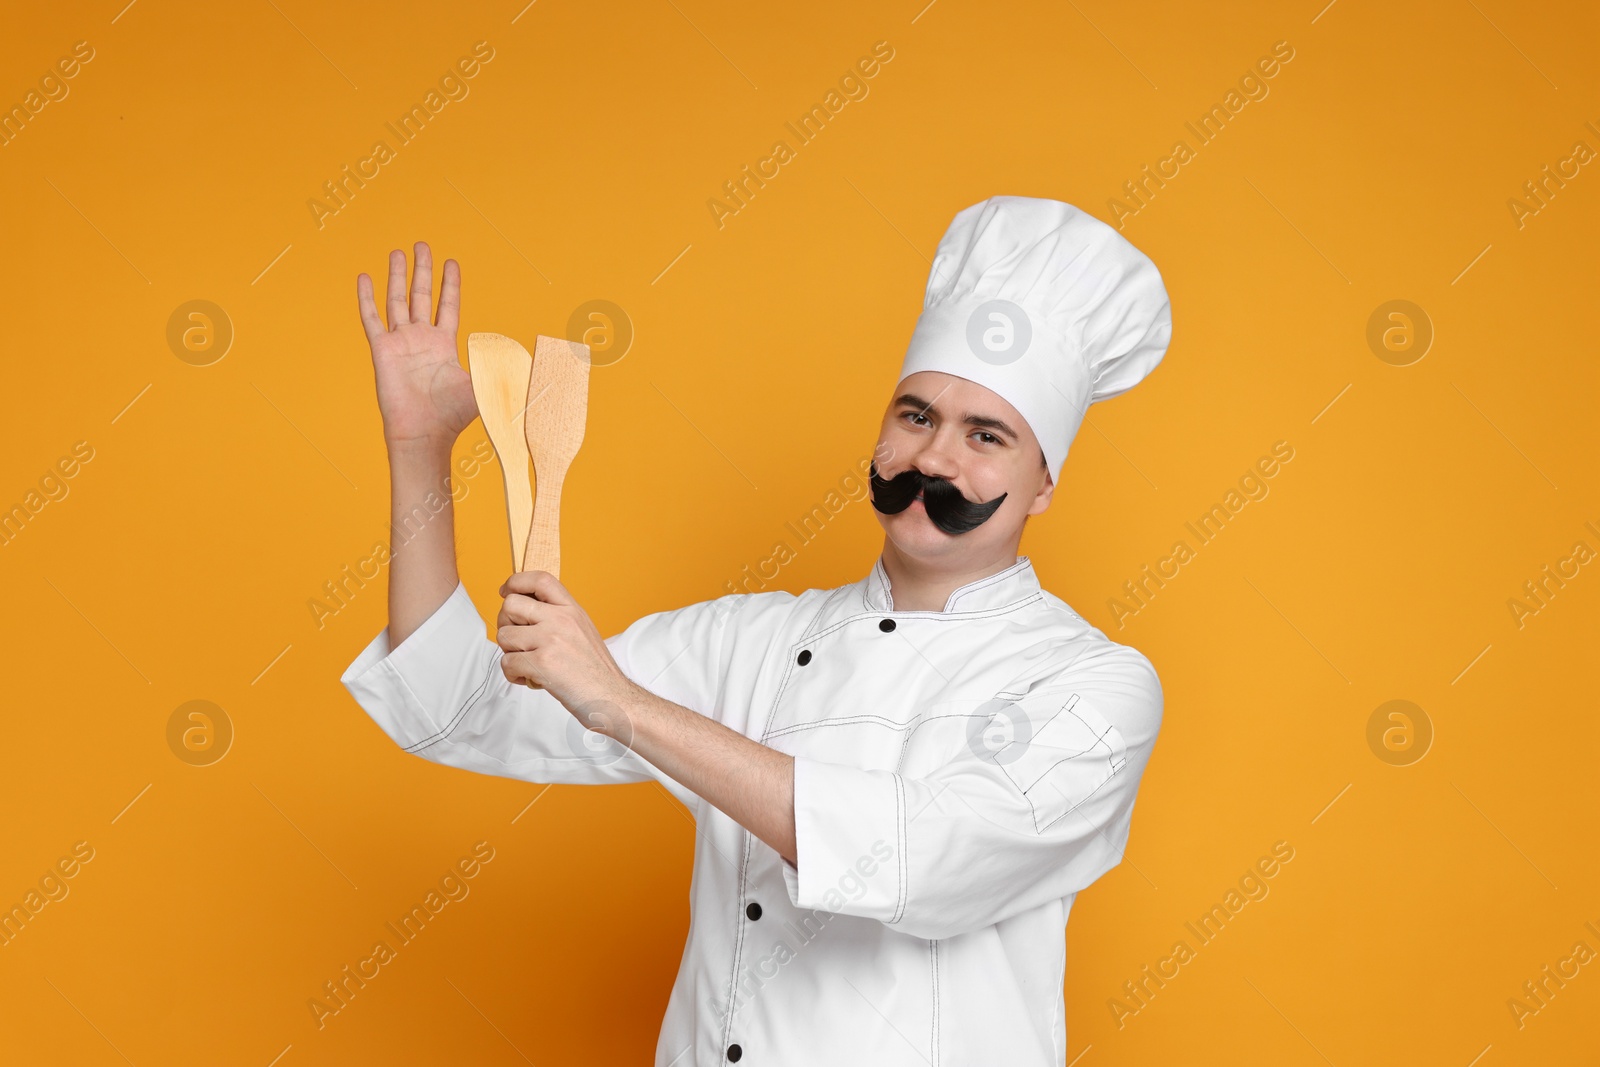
(544, 539)
(519, 508)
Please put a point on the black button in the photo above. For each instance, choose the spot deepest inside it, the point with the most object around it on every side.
(805, 657)
(753, 910)
(887, 626)
(734, 1052)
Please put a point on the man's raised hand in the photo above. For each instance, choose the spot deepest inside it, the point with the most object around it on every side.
(424, 393)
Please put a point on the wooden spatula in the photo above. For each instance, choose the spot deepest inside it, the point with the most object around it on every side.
(558, 407)
(501, 370)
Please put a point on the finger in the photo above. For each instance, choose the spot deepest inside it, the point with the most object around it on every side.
(395, 297)
(422, 285)
(369, 309)
(518, 670)
(517, 638)
(522, 610)
(504, 618)
(540, 584)
(450, 298)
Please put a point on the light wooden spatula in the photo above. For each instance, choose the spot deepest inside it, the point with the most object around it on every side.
(501, 370)
(558, 407)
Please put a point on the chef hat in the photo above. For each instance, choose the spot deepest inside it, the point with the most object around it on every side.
(1047, 306)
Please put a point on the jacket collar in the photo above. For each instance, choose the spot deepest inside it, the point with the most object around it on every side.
(1001, 589)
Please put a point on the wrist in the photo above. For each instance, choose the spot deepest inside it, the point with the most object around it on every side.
(615, 712)
(419, 452)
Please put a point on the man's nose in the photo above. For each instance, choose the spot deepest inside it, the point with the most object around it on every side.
(934, 459)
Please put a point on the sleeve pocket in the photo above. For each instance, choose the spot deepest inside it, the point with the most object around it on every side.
(1067, 761)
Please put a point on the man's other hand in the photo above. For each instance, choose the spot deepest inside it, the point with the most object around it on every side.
(550, 643)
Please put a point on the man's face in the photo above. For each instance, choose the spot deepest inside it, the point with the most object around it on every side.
(952, 429)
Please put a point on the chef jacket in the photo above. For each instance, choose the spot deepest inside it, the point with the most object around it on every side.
(959, 776)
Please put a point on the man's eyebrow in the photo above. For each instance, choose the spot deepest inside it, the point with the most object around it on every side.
(986, 422)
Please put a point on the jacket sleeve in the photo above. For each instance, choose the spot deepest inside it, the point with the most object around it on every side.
(1034, 804)
(441, 695)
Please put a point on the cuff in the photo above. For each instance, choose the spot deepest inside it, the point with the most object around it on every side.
(849, 827)
(402, 688)
(791, 881)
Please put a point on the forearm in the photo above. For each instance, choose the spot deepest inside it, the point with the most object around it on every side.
(745, 780)
(422, 564)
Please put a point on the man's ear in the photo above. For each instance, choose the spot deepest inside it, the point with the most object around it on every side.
(1046, 493)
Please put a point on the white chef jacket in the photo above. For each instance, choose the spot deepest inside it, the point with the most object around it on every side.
(959, 776)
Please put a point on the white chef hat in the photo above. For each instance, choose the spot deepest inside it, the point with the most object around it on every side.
(1047, 306)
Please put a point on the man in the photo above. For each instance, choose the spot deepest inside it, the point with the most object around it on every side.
(901, 784)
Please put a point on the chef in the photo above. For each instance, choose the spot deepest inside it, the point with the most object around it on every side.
(900, 785)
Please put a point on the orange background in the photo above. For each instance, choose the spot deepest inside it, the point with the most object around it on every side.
(181, 562)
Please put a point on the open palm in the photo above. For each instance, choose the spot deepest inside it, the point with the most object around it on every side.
(424, 393)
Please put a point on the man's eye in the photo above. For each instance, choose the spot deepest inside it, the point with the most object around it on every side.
(915, 415)
(990, 436)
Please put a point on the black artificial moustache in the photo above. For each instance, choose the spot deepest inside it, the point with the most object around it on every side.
(947, 508)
